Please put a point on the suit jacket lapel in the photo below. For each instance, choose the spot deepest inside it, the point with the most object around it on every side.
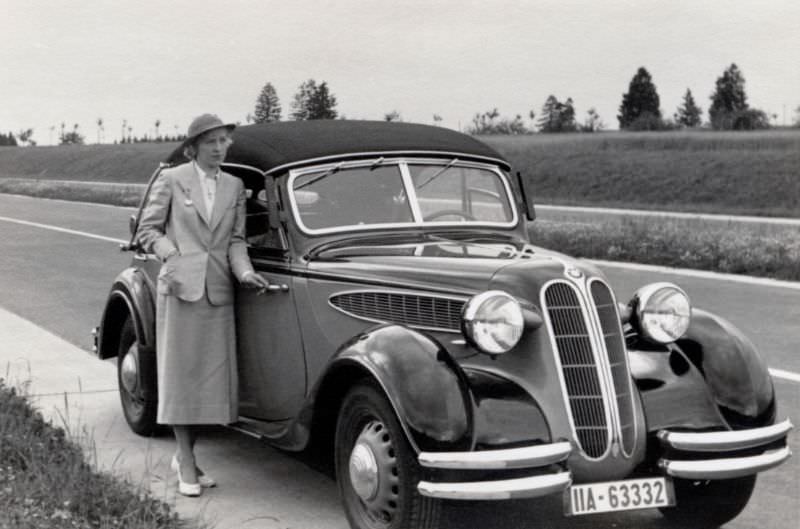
(222, 200)
(193, 193)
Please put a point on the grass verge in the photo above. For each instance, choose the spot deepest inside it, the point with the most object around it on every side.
(97, 192)
(46, 483)
(772, 252)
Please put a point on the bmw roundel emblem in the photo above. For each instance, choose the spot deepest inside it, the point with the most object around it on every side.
(574, 272)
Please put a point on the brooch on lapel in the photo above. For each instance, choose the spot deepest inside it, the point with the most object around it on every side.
(187, 192)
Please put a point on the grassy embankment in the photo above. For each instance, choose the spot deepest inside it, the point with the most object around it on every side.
(742, 173)
(55, 172)
(46, 483)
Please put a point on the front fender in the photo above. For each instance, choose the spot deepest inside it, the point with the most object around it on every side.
(737, 377)
(131, 294)
(425, 386)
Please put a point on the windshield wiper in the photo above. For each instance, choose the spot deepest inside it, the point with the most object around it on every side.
(437, 173)
(316, 179)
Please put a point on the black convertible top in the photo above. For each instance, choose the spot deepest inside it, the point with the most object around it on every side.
(280, 145)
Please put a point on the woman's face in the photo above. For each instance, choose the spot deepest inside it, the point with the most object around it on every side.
(212, 147)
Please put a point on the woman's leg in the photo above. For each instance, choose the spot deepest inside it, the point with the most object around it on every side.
(186, 437)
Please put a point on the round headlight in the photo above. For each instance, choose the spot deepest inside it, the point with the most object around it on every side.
(663, 312)
(493, 322)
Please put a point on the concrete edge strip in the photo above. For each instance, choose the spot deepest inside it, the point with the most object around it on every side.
(702, 274)
(671, 214)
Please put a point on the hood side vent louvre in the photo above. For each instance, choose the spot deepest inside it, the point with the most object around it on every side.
(428, 312)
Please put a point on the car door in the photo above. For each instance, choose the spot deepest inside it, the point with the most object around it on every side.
(272, 372)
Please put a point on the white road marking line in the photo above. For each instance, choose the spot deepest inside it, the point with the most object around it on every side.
(703, 274)
(785, 375)
(79, 202)
(673, 214)
(62, 230)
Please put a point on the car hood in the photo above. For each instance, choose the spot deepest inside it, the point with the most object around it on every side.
(457, 267)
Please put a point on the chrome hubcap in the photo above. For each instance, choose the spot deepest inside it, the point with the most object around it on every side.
(373, 472)
(129, 372)
(364, 472)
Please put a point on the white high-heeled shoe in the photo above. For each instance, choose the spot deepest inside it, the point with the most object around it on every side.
(188, 489)
(204, 480)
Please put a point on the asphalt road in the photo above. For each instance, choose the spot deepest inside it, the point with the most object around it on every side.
(59, 280)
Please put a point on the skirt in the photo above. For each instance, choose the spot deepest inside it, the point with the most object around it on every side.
(196, 362)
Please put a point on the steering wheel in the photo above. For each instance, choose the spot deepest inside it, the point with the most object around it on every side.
(445, 212)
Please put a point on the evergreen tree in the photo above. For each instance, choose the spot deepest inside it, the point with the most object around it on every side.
(728, 100)
(268, 106)
(313, 101)
(557, 116)
(301, 100)
(322, 104)
(689, 114)
(641, 102)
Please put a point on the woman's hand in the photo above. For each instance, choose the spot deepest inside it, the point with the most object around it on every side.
(253, 280)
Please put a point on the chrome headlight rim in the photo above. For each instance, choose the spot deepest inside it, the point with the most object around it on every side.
(472, 320)
(642, 306)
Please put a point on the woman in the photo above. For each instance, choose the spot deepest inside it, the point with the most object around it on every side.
(194, 222)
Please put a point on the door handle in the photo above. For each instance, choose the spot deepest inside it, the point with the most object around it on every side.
(273, 287)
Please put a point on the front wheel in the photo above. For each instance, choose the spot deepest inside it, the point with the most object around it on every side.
(137, 384)
(376, 469)
(708, 504)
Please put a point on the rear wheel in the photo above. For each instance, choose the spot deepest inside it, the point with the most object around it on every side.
(707, 504)
(376, 469)
(137, 384)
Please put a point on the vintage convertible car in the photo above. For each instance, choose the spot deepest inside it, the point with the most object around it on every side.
(414, 332)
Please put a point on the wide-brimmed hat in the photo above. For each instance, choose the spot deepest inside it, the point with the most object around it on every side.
(204, 123)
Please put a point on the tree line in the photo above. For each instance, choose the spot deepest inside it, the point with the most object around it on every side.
(640, 109)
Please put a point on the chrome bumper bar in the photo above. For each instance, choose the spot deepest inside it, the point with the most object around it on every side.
(725, 468)
(725, 441)
(531, 487)
(504, 489)
(527, 456)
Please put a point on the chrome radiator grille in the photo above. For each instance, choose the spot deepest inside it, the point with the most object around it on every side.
(579, 368)
(425, 312)
(617, 361)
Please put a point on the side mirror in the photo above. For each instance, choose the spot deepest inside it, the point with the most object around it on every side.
(530, 210)
(132, 225)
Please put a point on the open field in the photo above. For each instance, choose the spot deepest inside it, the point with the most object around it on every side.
(745, 173)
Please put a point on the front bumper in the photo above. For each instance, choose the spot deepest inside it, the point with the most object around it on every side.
(540, 456)
(725, 455)
(703, 455)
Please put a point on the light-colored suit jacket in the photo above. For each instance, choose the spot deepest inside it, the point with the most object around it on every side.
(210, 245)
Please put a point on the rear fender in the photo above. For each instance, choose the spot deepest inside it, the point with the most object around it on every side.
(131, 294)
(425, 386)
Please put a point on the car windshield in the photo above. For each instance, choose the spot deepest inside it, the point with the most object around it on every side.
(398, 193)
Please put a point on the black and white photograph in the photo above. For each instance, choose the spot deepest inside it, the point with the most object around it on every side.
(352, 264)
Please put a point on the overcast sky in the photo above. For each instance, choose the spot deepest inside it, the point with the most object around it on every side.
(144, 60)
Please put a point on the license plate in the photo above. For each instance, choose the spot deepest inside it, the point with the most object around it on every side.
(625, 495)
